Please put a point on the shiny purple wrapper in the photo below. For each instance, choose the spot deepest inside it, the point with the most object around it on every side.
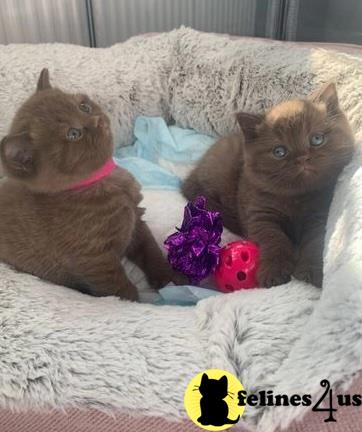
(194, 249)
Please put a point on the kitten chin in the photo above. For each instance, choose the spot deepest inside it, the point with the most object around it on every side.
(72, 238)
(275, 183)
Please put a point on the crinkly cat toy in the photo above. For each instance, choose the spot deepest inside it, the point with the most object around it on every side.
(195, 251)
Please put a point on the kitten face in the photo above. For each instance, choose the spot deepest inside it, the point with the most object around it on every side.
(56, 138)
(212, 387)
(298, 146)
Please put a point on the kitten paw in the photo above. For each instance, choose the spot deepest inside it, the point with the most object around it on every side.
(128, 292)
(274, 272)
(167, 277)
(180, 279)
(310, 275)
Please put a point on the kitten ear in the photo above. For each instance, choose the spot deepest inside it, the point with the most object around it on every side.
(249, 123)
(328, 95)
(43, 81)
(17, 155)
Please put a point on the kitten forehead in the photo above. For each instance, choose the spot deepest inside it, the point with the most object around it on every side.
(293, 109)
(50, 107)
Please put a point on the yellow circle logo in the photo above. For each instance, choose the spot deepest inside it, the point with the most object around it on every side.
(211, 400)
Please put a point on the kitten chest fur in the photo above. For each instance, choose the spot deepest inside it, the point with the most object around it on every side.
(71, 226)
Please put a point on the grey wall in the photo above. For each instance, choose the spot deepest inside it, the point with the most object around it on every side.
(330, 21)
(112, 21)
(117, 20)
(36, 21)
(104, 22)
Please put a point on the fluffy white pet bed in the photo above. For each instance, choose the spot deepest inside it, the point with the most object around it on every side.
(60, 348)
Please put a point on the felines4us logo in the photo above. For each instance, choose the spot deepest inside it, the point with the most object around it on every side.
(215, 400)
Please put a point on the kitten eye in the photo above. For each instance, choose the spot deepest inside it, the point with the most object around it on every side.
(280, 152)
(85, 107)
(317, 140)
(74, 134)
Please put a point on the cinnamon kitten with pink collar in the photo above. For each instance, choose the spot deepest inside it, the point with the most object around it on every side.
(67, 213)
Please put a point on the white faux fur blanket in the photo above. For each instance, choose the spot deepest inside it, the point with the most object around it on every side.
(62, 348)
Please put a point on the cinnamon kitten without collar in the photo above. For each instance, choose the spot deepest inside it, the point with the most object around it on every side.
(274, 183)
(71, 237)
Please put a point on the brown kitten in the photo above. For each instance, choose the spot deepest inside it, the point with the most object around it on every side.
(74, 238)
(275, 183)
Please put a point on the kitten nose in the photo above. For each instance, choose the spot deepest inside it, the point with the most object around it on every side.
(303, 159)
(97, 122)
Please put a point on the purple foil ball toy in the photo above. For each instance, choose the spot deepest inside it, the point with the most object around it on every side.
(195, 248)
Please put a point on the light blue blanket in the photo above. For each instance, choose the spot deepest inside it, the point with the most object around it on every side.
(161, 153)
(159, 159)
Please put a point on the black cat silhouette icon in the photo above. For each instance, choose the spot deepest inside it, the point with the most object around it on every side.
(211, 400)
(214, 409)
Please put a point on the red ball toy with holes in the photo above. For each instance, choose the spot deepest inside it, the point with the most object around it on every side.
(238, 265)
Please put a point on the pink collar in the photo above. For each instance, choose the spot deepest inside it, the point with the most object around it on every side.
(97, 176)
